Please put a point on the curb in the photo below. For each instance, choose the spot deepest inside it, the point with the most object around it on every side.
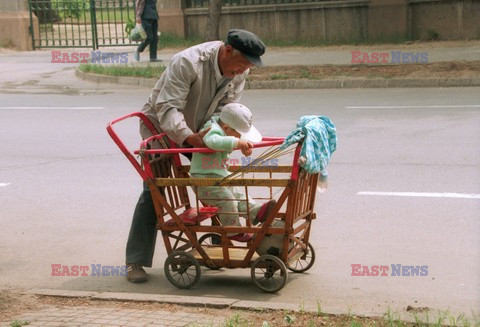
(194, 301)
(301, 83)
(363, 83)
(125, 80)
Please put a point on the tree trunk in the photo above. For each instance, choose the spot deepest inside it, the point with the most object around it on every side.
(213, 22)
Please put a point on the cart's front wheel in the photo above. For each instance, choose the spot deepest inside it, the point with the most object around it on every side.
(182, 269)
(269, 273)
(304, 262)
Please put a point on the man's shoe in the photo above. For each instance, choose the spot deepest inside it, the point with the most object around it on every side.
(155, 60)
(137, 56)
(136, 274)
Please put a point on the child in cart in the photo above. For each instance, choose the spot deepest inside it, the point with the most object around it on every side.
(232, 129)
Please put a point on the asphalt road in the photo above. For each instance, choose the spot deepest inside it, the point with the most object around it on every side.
(67, 193)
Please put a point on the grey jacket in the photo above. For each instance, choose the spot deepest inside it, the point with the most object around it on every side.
(186, 95)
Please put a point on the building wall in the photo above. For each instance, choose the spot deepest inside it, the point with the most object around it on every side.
(15, 24)
(471, 19)
(335, 21)
(171, 17)
(445, 20)
(387, 20)
(290, 22)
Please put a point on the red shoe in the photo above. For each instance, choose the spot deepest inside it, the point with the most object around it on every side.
(243, 237)
(264, 212)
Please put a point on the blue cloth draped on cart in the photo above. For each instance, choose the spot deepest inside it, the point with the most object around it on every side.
(319, 137)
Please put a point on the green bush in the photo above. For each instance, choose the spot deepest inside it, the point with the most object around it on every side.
(70, 8)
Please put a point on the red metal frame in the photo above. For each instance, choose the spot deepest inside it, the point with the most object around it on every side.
(122, 146)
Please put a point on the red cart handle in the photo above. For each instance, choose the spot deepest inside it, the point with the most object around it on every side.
(122, 146)
(266, 141)
(145, 151)
(145, 172)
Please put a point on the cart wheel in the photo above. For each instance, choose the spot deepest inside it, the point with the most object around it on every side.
(269, 273)
(210, 239)
(182, 269)
(305, 262)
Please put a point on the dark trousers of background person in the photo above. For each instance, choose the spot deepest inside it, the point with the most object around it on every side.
(151, 28)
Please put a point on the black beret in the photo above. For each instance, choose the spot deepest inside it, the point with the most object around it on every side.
(248, 44)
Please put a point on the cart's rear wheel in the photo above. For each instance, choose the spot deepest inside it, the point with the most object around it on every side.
(182, 269)
(210, 239)
(305, 262)
(269, 273)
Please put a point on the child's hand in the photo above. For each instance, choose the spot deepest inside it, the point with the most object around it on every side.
(245, 147)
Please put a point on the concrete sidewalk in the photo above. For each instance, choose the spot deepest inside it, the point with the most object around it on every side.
(342, 54)
(97, 314)
(89, 317)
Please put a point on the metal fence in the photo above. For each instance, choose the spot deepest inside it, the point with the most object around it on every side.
(81, 23)
(233, 3)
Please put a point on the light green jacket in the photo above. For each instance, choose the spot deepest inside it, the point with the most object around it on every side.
(214, 163)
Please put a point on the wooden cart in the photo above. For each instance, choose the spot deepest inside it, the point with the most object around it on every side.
(192, 233)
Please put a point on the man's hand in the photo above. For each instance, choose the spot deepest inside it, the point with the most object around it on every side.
(245, 147)
(196, 139)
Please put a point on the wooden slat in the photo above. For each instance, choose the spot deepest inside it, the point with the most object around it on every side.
(295, 254)
(215, 253)
(305, 193)
(301, 227)
(273, 169)
(278, 169)
(215, 181)
(228, 229)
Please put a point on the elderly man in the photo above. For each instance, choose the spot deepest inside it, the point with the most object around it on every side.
(197, 83)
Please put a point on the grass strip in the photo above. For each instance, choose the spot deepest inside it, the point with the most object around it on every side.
(153, 71)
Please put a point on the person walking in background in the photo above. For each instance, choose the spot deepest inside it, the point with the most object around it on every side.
(146, 14)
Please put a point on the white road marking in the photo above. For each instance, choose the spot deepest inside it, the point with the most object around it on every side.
(425, 194)
(411, 107)
(52, 108)
(4, 184)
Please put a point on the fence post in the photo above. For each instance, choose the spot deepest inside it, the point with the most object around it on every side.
(31, 28)
(93, 21)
